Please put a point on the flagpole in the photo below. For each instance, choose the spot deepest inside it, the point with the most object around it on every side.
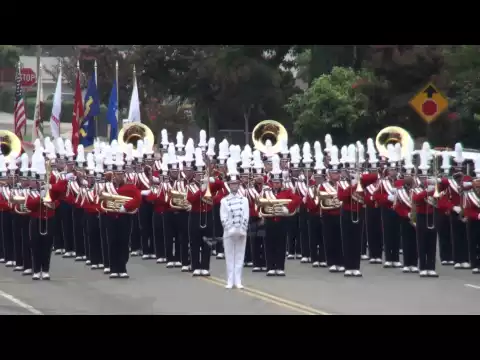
(118, 103)
(134, 79)
(96, 84)
(39, 55)
(76, 107)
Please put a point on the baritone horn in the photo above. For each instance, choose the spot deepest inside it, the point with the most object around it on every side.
(269, 130)
(393, 135)
(131, 133)
(178, 200)
(113, 203)
(268, 207)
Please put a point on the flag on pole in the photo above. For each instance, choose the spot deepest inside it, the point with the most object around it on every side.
(134, 111)
(19, 115)
(112, 113)
(92, 109)
(77, 113)
(56, 108)
(37, 129)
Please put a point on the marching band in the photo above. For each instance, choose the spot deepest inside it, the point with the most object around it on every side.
(329, 207)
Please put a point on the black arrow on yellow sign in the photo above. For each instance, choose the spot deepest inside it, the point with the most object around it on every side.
(430, 90)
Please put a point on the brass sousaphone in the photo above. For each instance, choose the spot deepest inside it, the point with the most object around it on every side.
(393, 135)
(132, 132)
(10, 144)
(268, 130)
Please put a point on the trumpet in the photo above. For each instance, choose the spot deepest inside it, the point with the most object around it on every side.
(206, 199)
(356, 196)
(178, 200)
(271, 207)
(113, 203)
(433, 200)
(46, 200)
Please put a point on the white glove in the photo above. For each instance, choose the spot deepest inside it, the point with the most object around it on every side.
(283, 211)
(467, 184)
(156, 180)
(211, 179)
(122, 210)
(457, 209)
(391, 198)
(145, 192)
(431, 181)
(478, 217)
(84, 182)
(70, 176)
(301, 177)
(305, 200)
(430, 188)
(43, 192)
(353, 182)
(204, 187)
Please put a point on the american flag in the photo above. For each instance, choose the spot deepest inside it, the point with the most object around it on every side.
(20, 117)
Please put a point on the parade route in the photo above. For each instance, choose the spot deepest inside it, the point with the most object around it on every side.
(155, 290)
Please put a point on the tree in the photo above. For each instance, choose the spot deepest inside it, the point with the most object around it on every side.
(331, 105)
(9, 56)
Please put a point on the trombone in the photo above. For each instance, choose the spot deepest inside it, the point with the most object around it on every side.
(206, 198)
(356, 195)
(46, 200)
(432, 201)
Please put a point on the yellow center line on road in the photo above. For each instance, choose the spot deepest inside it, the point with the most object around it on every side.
(288, 304)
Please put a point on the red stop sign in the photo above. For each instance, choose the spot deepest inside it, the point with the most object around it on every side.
(29, 78)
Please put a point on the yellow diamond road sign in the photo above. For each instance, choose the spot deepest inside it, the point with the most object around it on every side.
(429, 103)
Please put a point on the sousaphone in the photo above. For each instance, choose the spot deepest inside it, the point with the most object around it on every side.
(393, 135)
(10, 144)
(132, 132)
(268, 130)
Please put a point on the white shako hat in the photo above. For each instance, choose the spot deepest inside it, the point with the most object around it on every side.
(108, 158)
(328, 143)
(351, 154)
(408, 163)
(458, 158)
(477, 166)
(69, 153)
(139, 151)
(258, 165)
(223, 152)
(147, 149)
(3, 167)
(199, 163)
(344, 155)
(129, 155)
(307, 155)
(114, 146)
(361, 152)
(276, 173)
(96, 146)
(246, 162)
(319, 165)
(24, 169)
(232, 172)
(90, 164)
(179, 145)
(188, 159)
(50, 152)
(99, 165)
(164, 165)
(46, 144)
(172, 157)
(38, 146)
(391, 156)
(202, 141)
(446, 162)
(60, 148)
(334, 162)
(236, 153)
(81, 161)
(211, 148)
(424, 163)
(295, 158)
(284, 151)
(372, 154)
(119, 164)
(164, 141)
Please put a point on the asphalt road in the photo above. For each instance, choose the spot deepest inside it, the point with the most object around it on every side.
(153, 289)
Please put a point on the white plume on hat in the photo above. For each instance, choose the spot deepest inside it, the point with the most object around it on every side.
(408, 165)
(119, 158)
(69, 148)
(80, 154)
(236, 153)
(361, 152)
(139, 150)
(246, 159)
(202, 142)
(344, 154)
(428, 150)
(50, 149)
(172, 157)
(295, 158)
(459, 153)
(398, 151)
(257, 160)
(391, 152)
(90, 162)
(223, 150)
(276, 170)
(179, 144)
(60, 146)
(328, 142)
(24, 163)
(147, 147)
(211, 147)
(477, 166)
(165, 162)
(37, 145)
(372, 152)
(108, 155)
(96, 146)
(318, 156)
(129, 153)
(351, 151)
(232, 168)
(424, 166)
(284, 146)
(40, 165)
(199, 157)
(307, 154)
(268, 149)
(446, 161)
(334, 156)
(99, 163)
(3, 165)
(164, 136)
(189, 150)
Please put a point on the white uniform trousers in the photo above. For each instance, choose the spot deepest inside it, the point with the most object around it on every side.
(234, 245)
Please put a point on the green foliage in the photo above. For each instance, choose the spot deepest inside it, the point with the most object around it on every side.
(332, 104)
(9, 55)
